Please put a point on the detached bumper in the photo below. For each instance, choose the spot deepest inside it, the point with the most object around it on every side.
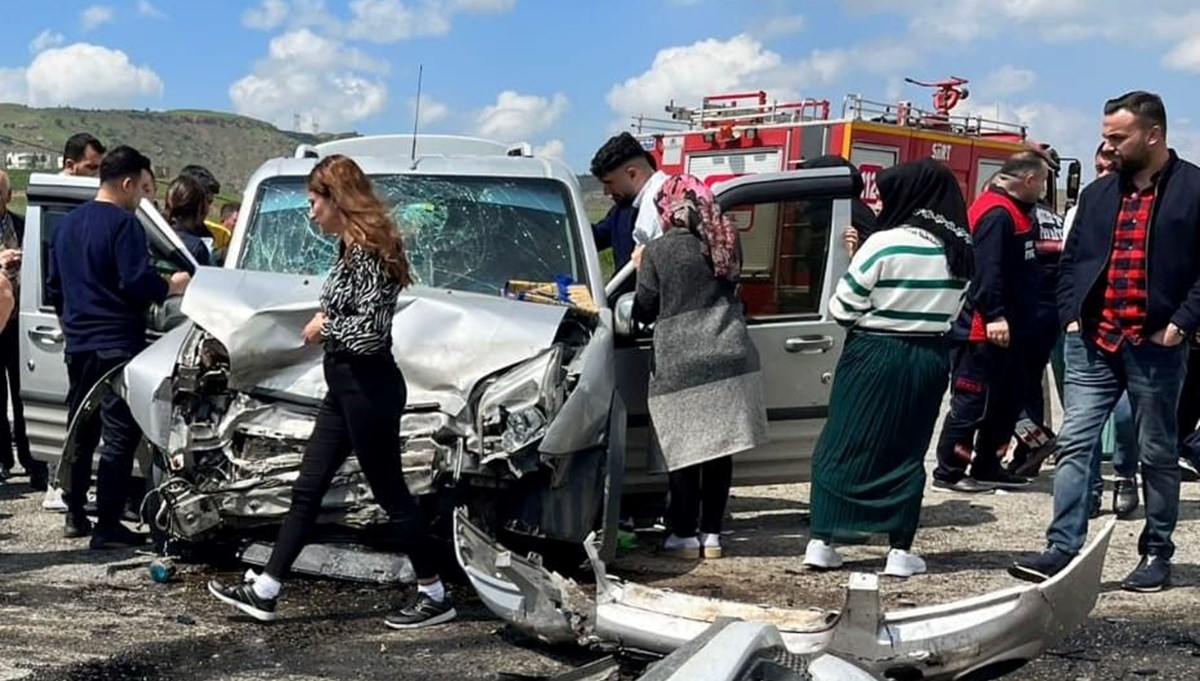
(1000, 630)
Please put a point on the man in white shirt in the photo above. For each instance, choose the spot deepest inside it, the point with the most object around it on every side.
(629, 178)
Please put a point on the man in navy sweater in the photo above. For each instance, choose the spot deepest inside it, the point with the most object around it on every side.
(1129, 298)
(994, 332)
(101, 284)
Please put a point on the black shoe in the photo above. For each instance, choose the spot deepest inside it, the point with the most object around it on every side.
(1152, 574)
(1001, 478)
(1188, 471)
(243, 598)
(964, 485)
(39, 478)
(76, 525)
(1125, 497)
(1094, 507)
(116, 537)
(423, 612)
(1041, 567)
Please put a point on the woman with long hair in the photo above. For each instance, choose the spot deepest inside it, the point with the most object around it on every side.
(903, 290)
(184, 211)
(365, 399)
(706, 395)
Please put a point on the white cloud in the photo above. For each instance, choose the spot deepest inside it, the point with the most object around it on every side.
(315, 77)
(516, 117)
(1008, 80)
(483, 6)
(82, 75)
(147, 9)
(432, 111)
(551, 149)
(95, 16)
(45, 40)
(388, 21)
(268, 15)
(777, 27)
(688, 73)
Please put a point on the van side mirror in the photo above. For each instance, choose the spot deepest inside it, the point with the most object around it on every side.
(623, 315)
(1074, 172)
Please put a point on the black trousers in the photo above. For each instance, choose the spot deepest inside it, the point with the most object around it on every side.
(1035, 356)
(10, 377)
(986, 395)
(120, 432)
(360, 414)
(1189, 399)
(700, 492)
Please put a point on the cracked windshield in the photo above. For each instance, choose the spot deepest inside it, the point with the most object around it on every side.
(463, 233)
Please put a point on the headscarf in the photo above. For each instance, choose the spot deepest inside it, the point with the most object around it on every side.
(862, 218)
(686, 202)
(925, 194)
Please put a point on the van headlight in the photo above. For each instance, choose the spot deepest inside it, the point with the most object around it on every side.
(518, 405)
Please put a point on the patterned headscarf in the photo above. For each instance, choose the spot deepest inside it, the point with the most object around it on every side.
(685, 201)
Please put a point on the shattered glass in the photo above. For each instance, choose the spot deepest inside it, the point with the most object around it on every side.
(462, 233)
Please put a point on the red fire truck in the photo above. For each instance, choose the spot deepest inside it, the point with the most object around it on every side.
(742, 133)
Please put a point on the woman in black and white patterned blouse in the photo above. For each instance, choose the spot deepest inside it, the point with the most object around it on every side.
(366, 396)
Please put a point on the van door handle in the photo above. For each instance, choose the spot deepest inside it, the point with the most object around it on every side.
(47, 335)
(809, 345)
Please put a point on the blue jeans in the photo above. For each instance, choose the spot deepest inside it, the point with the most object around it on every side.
(1125, 458)
(1152, 376)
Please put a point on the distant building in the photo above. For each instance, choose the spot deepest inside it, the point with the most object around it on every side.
(32, 160)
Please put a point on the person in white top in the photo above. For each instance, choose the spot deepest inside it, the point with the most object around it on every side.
(629, 177)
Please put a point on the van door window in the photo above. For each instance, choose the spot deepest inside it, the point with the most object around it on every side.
(52, 216)
(785, 251)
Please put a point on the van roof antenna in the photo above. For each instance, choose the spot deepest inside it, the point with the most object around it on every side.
(417, 115)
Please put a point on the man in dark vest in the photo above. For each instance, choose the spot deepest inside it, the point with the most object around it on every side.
(993, 332)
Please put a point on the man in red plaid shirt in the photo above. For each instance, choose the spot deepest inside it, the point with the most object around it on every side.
(1128, 296)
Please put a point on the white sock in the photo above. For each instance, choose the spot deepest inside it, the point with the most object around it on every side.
(266, 586)
(435, 591)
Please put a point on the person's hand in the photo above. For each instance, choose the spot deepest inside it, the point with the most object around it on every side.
(636, 258)
(1169, 337)
(997, 332)
(178, 283)
(850, 240)
(312, 332)
(1073, 327)
(10, 258)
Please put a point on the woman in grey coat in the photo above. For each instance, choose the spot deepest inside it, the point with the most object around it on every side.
(706, 396)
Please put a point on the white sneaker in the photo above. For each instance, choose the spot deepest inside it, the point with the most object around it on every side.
(904, 564)
(687, 548)
(53, 501)
(822, 556)
(711, 543)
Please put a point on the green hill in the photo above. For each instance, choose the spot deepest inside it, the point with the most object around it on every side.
(231, 146)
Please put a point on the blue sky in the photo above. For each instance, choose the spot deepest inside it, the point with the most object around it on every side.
(565, 74)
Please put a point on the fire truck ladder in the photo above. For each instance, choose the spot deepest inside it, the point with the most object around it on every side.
(904, 113)
(726, 111)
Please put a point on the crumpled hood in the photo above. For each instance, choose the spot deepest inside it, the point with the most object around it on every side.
(444, 341)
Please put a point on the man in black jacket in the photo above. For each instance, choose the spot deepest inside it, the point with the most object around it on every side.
(997, 326)
(12, 231)
(1129, 297)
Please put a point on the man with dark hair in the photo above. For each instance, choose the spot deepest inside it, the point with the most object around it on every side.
(631, 180)
(229, 215)
(100, 283)
(82, 154)
(12, 231)
(1129, 298)
(994, 330)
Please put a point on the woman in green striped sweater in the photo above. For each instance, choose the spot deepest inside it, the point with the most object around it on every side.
(903, 290)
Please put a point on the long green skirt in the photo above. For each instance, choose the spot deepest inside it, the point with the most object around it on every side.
(869, 463)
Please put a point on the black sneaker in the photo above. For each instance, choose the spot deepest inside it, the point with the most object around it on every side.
(1032, 464)
(1041, 567)
(76, 525)
(243, 598)
(423, 612)
(1001, 478)
(1152, 574)
(116, 537)
(1125, 497)
(1187, 470)
(964, 485)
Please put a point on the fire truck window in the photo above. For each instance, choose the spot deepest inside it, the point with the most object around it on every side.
(785, 247)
